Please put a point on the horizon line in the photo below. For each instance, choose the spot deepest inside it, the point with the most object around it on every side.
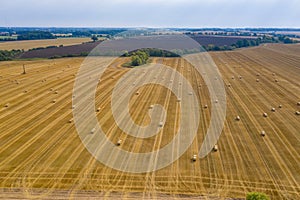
(145, 27)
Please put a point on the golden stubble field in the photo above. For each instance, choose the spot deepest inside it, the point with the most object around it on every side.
(29, 44)
(41, 155)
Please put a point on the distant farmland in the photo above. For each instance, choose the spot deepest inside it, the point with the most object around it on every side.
(87, 47)
(30, 44)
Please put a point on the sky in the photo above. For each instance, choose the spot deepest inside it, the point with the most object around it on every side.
(150, 13)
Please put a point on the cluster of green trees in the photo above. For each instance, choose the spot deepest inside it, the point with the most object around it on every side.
(139, 58)
(34, 35)
(257, 196)
(9, 55)
(94, 38)
(286, 39)
(250, 43)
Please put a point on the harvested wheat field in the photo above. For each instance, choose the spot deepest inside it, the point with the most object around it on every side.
(30, 44)
(42, 156)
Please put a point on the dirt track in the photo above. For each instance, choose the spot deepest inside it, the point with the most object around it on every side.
(41, 149)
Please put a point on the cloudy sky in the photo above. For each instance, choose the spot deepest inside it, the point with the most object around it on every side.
(150, 13)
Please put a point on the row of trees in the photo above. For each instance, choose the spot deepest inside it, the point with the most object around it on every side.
(35, 35)
(159, 53)
(153, 53)
(251, 42)
(89, 32)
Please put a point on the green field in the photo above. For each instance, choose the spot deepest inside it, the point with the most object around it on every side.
(8, 37)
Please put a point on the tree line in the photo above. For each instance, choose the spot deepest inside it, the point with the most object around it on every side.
(153, 53)
(251, 42)
(35, 35)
